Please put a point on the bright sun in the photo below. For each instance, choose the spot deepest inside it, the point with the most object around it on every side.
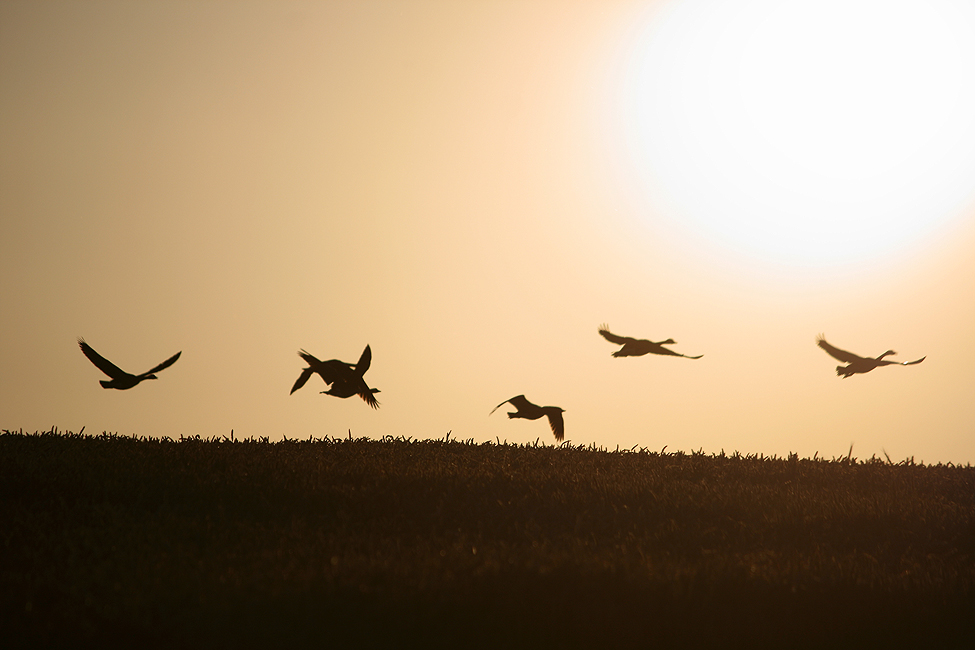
(811, 132)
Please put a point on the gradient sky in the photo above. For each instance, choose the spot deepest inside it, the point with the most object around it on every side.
(472, 188)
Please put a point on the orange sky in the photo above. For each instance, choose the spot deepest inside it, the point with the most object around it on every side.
(452, 183)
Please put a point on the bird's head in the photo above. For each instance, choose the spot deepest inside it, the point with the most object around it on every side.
(888, 352)
(151, 377)
(668, 342)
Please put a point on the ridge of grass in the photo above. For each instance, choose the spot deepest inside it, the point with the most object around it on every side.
(403, 542)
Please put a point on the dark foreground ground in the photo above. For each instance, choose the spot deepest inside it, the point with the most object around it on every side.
(121, 542)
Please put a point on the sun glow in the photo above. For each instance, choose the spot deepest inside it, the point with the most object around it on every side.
(813, 132)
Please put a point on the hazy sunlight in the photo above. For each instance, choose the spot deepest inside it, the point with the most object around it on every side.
(808, 132)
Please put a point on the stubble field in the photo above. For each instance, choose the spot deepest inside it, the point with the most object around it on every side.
(444, 543)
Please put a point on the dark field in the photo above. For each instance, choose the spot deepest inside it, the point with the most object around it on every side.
(393, 543)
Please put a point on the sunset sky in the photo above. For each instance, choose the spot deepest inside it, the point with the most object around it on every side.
(472, 188)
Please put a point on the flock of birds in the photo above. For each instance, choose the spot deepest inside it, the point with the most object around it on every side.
(348, 379)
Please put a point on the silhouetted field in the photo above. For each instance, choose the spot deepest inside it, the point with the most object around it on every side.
(439, 543)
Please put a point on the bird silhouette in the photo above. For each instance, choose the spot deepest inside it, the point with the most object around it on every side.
(330, 371)
(531, 411)
(858, 364)
(346, 379)
(638, 347)
(121, 380)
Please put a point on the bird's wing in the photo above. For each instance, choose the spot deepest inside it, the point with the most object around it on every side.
(688, 357)
(609, 336)
(165, 364)
(557, 424)
(515, 401)
(519, 402)
(660, 349)
(369, 398)
(908, 363)
(302, 379)
(836, 353)
(364, 362)
(101, 362)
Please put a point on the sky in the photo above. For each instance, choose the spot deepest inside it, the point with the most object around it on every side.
(472, 189)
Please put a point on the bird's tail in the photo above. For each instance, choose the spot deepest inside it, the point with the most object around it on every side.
(105, 383)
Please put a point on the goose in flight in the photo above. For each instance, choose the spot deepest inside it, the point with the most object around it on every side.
(529, 411)
(121, 380)
(858, 364)
(346, 379)
(638, 347)
(330, 371)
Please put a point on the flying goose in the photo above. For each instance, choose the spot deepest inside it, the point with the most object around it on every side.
(330, 371)
(531, 411)
(346, 379)
(858, 364)
(638, 347)
(121, 380)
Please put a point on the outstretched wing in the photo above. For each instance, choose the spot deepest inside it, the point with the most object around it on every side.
(660, 349)
(302, 379)
(368, 397)
(557, 424)
(613, 338)
(836, 353)
(517, 401)
(901, 363)
(364, 361)
(165, 364)
(101, 362)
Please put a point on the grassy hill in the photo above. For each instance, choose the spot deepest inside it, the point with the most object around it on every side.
(443, 543)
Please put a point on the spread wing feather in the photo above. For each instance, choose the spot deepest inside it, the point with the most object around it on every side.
(101, 362)
(614, 338)
(836, 353)
(369, 398)
(165, 364)
(558, 425)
